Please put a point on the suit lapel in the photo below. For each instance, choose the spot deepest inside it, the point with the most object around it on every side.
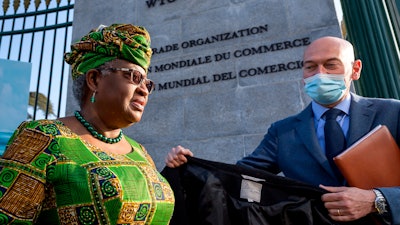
(361, 118)
(309, 138)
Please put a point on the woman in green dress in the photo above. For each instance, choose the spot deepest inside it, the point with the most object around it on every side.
(81, 169)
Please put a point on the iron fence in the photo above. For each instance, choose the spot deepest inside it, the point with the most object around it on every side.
(39, 32)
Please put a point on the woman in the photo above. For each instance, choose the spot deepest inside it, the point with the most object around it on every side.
(82, 169)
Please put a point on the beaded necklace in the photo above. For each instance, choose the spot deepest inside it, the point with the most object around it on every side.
(96, 134)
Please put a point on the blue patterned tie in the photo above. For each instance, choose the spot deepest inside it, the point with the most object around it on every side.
(335, 141)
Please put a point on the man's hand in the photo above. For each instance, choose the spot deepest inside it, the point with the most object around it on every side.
(348, 203)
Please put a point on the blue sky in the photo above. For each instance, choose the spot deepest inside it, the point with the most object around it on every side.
(52, 62)
(338, 10)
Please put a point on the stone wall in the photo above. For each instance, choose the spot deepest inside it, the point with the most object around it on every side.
(225, 70)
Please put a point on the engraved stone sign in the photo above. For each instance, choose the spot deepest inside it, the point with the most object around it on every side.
(225, 70)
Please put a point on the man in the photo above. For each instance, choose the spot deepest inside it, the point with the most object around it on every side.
(296, 145)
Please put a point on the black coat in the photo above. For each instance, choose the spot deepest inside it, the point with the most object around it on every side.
(215, 193)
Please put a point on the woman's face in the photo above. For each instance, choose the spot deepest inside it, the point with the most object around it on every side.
(119, 98)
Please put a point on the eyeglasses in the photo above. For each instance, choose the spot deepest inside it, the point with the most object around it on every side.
(137, 78)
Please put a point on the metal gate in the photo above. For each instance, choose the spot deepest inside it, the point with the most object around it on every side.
(39, 32)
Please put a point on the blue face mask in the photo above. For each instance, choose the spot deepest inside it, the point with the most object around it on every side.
(325, 88)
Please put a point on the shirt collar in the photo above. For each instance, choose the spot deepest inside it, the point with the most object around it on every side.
(319, 110)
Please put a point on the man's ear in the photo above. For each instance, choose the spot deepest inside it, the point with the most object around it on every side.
(92, 79)
(356, 73)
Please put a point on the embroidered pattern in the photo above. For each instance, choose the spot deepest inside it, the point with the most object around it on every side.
(50, 175)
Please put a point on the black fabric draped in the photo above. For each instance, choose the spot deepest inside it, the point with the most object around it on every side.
(208, 192)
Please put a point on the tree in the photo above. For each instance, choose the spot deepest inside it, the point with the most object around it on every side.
(43, 104)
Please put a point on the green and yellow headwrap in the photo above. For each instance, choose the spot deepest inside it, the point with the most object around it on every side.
(123, 41)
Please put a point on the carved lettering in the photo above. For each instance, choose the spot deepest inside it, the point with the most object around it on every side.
(251, 51)
(223, 76)
(272, 47)
(225, 36)
(243, 74)
(183, 64)
(184, 83)
(212, 39)
(223, 56)
(153, 3)
(271, 69)
(167, 48)
(238, 53)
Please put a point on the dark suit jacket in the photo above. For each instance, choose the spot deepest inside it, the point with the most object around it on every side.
(215, 193)
(290, 145)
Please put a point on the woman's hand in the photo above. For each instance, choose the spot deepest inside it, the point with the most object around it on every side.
(177, 156)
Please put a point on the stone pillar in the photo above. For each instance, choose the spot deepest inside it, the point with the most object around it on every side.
(225, 70)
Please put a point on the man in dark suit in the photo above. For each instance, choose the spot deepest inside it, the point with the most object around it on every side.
(296, 147)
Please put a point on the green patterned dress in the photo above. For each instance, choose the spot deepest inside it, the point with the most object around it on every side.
(48, 175)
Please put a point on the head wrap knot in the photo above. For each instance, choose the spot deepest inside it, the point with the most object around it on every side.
(106, 43)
